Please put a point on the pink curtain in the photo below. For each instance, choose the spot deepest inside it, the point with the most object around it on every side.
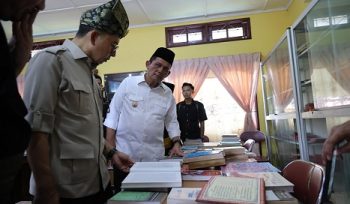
(193, 71)
(239, 75)
(281, 80)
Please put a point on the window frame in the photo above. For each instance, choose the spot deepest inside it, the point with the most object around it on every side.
(206, 29)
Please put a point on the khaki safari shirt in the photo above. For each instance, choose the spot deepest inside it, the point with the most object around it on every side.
(64, 101)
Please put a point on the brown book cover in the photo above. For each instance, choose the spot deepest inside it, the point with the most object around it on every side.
(233, 190)
(232, 158)
(205, 164)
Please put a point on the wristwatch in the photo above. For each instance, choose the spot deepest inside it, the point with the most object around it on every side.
(111, 153)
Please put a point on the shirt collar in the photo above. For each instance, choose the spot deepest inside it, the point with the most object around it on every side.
(77, 53)
(141, 79)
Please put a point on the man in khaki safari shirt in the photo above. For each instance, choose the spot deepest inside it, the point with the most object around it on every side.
(67, 152)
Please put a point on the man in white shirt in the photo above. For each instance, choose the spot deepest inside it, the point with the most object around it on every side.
(140, 108)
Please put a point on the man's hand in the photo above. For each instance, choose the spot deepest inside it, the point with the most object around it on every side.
(338, 134)
(176, 150)
(22, 41)
(122, 161)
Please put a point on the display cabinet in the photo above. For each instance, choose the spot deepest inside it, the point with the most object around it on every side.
(318, 49)
(277, 80)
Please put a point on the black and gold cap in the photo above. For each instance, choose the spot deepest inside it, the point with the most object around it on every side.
(110, 17)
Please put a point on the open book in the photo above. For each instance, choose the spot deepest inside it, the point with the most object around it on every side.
(273, 180)
(153, 175)
(243, 190)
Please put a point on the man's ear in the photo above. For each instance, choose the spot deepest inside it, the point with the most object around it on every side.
(93, 37)
(168, 73)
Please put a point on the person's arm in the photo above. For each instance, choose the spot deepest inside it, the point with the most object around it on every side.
(40, 97)
(202, 128)
(38, 158)
(202, 116)
(176, 149)
(119, 159)
(337, 135)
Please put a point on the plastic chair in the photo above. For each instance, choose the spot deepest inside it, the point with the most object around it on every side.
(308, 179)
(258, 137)
(249, 144)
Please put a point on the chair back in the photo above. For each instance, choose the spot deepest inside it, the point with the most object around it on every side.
(249, 144)
(257, 136)
(308, 179)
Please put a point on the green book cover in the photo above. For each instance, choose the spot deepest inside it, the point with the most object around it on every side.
(133, 196)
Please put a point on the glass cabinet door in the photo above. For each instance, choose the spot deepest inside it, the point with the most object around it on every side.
(279, 105)
(322, 53)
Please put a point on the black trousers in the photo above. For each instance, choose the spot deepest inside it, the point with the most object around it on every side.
(9, 168)
(119, 176)
(98, 198)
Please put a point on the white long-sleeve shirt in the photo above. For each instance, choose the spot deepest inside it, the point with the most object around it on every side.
(138, 113)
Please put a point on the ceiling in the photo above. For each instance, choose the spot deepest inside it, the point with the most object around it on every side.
(62, 16)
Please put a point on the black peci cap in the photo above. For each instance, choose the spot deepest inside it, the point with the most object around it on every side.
(165, 54)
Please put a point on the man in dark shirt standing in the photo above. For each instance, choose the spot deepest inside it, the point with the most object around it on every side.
(191, 116)
(14, 130)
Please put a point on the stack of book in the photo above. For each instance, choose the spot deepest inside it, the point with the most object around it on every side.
(230, 140)
(204, 159)
(232, 154)
(153, 175)
(199, 175)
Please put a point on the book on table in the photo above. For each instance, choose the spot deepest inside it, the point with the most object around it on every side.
(233, 190)
(183, 196)
(199, 175)
(280, 197)
(138, 197)
(153, 175)
(203, 156)
(236, 158)
(238, 150)
(273, 180)
(234, 167)
(205, 164)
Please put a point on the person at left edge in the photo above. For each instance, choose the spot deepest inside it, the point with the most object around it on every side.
(67, 151)
(14, 129)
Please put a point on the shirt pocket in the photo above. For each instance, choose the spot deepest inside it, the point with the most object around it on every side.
(159, 108)
(79, 99)
(135, 103)
(74, 160)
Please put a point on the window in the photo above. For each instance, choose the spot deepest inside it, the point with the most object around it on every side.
(220, 31)
(222, 110)
(333, 20)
